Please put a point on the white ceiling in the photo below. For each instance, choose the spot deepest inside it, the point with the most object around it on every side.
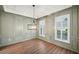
(40, 10)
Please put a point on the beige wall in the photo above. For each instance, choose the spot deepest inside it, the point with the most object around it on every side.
(78, 28)
(50, 30)
(13, 28)
(0, 27)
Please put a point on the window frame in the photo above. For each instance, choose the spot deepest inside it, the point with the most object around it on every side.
(42, 27)
(62, 29)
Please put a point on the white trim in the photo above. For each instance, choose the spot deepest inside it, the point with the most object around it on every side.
(59, 18)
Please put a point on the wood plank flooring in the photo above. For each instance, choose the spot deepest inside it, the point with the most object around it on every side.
(34, 46)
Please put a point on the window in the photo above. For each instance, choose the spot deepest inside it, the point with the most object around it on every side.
(42, 28)
(62, 28)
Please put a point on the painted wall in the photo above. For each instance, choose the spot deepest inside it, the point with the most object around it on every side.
(13, 28)
(50, 29)
(0, 27)
(78, 28)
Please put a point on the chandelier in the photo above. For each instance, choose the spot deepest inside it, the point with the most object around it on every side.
(33, 25)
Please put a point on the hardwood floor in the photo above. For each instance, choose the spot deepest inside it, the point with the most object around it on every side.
(34, 46)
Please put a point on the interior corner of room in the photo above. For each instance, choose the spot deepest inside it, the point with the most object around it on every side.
(53, 24)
